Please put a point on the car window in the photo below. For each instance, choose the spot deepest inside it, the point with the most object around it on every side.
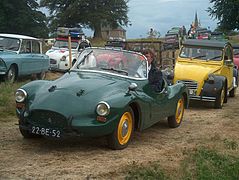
(201, 53)
(236, 52)
(64, 44)
(7, 43)
(26, 46)
(112, 61)
(36, 47)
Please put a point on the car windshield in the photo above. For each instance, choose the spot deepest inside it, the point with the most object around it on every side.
(236, 52)
(118, 62)
(11, 44)
(201, 53)
(64, 44)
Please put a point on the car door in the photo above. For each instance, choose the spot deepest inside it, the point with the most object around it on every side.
(227, 68)
(159, 103)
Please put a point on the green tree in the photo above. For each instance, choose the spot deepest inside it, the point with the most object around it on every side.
(88, 13)
(226, 11)
(22, 17)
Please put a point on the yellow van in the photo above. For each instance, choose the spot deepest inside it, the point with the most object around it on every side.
(207, 69)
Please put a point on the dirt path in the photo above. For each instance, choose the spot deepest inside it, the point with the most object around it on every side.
(91, 159)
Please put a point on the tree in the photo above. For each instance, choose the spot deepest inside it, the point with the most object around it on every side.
(22, 17)
(88, 13)
(226, 11)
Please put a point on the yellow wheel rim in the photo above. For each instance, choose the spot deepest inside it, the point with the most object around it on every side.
(180, 110)
(125, 128)
(222, 95)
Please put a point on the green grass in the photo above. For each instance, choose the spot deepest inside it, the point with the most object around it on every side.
(202, 164)
(7, 99)
(209, 164)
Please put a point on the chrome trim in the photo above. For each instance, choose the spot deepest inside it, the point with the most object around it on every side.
(24, 92)
(107, 105)
(203, 98)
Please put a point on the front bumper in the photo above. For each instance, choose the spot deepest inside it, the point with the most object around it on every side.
(203, 98)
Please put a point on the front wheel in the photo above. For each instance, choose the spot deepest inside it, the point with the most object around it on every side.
(11, 75)
(175, 120)
(122, 134)
(220, 99)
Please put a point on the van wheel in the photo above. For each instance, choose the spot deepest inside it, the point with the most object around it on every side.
(232, 93)
(11, 75)
(220, 99)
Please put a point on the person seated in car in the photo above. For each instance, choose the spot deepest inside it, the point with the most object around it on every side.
(155, 75)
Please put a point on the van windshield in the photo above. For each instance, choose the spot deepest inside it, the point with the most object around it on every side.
(201, 53)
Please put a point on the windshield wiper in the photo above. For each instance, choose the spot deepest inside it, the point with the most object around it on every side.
(198, 56)
(116, 70)
(84, 58)
(214, 57)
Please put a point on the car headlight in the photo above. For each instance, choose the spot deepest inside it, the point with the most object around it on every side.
(20, 95)
(103, 108)
(63, 58)
(211, 78)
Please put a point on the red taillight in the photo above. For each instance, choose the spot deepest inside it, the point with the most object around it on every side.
(101, 119)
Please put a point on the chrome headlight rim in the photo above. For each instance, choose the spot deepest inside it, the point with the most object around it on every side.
(103, 104)
(63, 58)
(20, 100)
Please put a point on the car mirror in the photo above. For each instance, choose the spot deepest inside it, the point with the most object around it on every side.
(133, 87)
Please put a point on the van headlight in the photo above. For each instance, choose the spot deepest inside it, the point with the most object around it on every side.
(211, 79)
(103, 108)
(20, 95)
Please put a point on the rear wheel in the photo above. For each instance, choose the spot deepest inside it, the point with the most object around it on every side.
(175, 120)
(11, 75)
(220, 99)
(41, 75)
(122, 134)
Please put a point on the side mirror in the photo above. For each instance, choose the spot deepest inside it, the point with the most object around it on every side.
(132, 87)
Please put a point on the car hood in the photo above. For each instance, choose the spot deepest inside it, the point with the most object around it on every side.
(191, 71)
(77, 92)
(58, 53)
(7, 54)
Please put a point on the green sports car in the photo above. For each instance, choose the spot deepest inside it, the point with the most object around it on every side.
(105, 93)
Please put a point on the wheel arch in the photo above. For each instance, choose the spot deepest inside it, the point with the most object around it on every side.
(137, 114)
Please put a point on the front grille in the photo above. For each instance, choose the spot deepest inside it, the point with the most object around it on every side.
(46, 118)
(190, 84)
(53, 61)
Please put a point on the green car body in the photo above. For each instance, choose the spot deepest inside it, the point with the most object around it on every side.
(69, 104)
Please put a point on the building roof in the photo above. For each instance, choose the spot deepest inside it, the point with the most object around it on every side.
(206, 43)
(18, 36)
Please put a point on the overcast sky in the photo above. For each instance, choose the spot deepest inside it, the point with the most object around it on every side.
(164, 14)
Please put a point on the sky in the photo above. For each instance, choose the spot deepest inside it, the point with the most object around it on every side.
(162, 15)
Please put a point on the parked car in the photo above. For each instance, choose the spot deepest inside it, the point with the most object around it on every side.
(21, 55)
(207, 68)
(203, 34)
(215, 35)
(59, 53)
(102, 100)
(236, 55)
(173, 38)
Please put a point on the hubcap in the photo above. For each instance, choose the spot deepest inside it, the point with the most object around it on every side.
(179, 111)
(222, 96)
(125, 128)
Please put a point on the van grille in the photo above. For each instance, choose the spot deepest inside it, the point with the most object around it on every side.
(190, 84)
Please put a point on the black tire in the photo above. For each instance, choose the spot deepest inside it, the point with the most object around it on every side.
(120, 139)
(27, 134)
(220, 98)
(175, 120)
(41, 75)
(232, 93)
(11, 75)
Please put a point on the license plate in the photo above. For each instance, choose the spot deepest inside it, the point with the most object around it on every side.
(46, 131)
